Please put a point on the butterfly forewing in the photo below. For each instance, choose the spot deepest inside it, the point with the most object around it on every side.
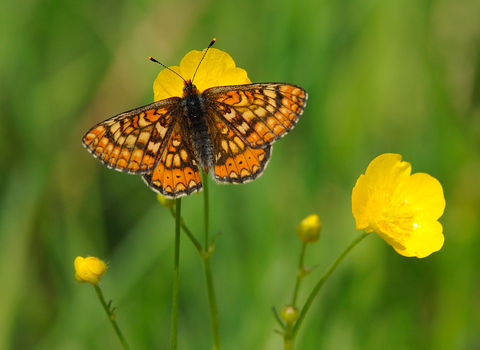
(260, 113)
(133, 141)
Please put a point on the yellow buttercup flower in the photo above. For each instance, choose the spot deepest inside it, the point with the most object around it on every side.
(89, 269)
(217, 69)
(402, 209)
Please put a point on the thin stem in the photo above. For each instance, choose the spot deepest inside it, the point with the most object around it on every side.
(206, 208)
(287, 341)
(111, 317)
(176, 275)
(212, 303)
(320, 283)
(300, 273)
(278, 318)
(188, 232)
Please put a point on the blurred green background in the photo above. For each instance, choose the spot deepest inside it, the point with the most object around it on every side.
(397, 76)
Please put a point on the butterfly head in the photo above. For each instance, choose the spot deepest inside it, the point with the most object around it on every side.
(189, 88)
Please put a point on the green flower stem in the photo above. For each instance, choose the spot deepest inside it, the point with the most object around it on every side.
(288, 341)
(316, 289)
(204, 253)
(188, 232)
(206, 209)
(111, 317)
(212, 302)
(176, 275)
(300, 273)
(279, 320)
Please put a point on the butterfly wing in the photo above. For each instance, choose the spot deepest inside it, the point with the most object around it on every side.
(132, 142)
(259, 113)
(248, 119)
(235, 162)
(176, 174)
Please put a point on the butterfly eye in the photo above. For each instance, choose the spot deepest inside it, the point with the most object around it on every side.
(189, 86)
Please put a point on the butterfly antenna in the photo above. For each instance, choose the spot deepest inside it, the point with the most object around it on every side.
(160, 63)
(209, 46)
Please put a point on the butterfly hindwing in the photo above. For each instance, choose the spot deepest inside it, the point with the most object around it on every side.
(235, 162)
(176, 174)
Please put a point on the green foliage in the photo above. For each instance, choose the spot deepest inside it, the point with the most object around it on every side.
(382, 76)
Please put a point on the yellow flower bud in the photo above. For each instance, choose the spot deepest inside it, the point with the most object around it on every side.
(309, 229)
(166, 202)
(289, 314)
(89, 269)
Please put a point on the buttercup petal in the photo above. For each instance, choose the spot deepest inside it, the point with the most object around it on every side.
(217, 69)
(387, 171)
(359, 203)
(168, 84)
(425, 194)
(428, 239)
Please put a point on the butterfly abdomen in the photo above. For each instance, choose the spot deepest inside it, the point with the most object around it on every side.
(195, 113)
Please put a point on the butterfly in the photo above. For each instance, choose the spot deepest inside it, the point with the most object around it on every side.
(227, 129)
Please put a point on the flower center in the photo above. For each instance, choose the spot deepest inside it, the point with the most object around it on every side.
(393, 217)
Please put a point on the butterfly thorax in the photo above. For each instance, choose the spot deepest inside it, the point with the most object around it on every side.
(194, 111)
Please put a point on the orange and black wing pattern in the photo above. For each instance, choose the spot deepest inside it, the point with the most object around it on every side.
(235, 162)
(177, 173)
(259, 113)
(248, 120)
(133, 141)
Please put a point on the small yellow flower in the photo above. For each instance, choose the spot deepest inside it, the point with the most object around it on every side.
(217, 69)
(89, 269)
(402, 209)
(308, 230)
